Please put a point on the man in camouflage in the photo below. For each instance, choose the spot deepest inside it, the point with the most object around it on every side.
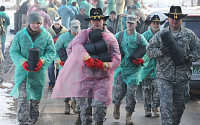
(127, 74)
(148, 74)
(173, 78)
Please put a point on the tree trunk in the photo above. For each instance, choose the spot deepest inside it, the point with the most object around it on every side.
(191, 3)
(198, 2)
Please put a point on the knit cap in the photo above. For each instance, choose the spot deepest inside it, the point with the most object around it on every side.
(34, 17)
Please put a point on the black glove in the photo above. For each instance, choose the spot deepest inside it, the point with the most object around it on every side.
(165, 48)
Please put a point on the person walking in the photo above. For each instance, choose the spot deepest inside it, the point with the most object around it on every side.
(148, 73)
(175, 48)
(127, 75)
(112, 22)
(63, 42)
(81, 17)
(55, 30)
(29, 84)
(89, 78)
(6, 23)
(65, 13)
(23, 11)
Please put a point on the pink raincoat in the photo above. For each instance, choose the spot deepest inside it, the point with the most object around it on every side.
(75, 79)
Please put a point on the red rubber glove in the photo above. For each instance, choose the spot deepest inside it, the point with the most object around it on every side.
(55, 39)
(98, 64)
(138, 61)
(62, 63)
(89, 62)
(39, 65)
(25, 65)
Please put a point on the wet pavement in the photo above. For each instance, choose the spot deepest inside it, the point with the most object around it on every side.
(52, 110)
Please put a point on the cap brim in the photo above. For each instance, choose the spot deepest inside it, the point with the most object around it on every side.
(148, 22)
(178, 16)
(104, 18)
(76, 29)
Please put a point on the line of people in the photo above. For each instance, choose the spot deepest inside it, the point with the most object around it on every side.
(130, 57)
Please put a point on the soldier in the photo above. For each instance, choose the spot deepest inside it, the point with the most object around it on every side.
(56, 29)
(63, 42)
(112, 22)
(86, 78)
(175, 48)
(29, 84)
(6, 22)
(149, 87)
(66, 13)
(127, 74)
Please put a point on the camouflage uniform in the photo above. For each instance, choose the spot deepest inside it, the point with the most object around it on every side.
(86, 105)
(149, 86)
(173, 80)
(27, 112)
(121, 89)
(150, 93)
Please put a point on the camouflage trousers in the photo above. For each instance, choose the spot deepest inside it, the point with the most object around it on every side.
(150, 94)
(27, 112)
(85, 105)
(173, 97)
(120, 90)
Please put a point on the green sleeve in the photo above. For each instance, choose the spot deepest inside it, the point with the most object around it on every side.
(15, 51)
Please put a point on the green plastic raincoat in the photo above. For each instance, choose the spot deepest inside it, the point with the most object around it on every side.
(130, 71)
(19, 53)
(100, 4)
(111, 6)
(86, 6)
(150, 63)
(6, 24)
(63, 41)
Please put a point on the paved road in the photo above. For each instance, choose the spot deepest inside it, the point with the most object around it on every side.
(52, 112)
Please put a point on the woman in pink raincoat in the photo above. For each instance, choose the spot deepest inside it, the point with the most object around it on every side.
(86, 78)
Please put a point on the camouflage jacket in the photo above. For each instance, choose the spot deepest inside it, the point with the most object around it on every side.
(188, 45)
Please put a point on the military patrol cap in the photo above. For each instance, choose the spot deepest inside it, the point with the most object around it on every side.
(131, 19)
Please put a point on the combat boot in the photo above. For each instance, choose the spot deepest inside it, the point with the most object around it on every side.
(67, 107)
(74, 106)
(99, 123)
(78, 120)
(148, 113)
(116, 113)
(129, 121)
(156, 113)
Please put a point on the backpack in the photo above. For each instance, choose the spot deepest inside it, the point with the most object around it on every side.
(2, 27)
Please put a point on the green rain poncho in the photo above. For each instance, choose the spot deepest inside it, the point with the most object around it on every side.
(19, 53)
(63, 41)
(100, 4)
(130, 71)
(5, 24)
(86, 6)
(150, 63)
(111, 6)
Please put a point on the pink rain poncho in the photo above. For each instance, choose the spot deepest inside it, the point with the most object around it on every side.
(75, 79)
